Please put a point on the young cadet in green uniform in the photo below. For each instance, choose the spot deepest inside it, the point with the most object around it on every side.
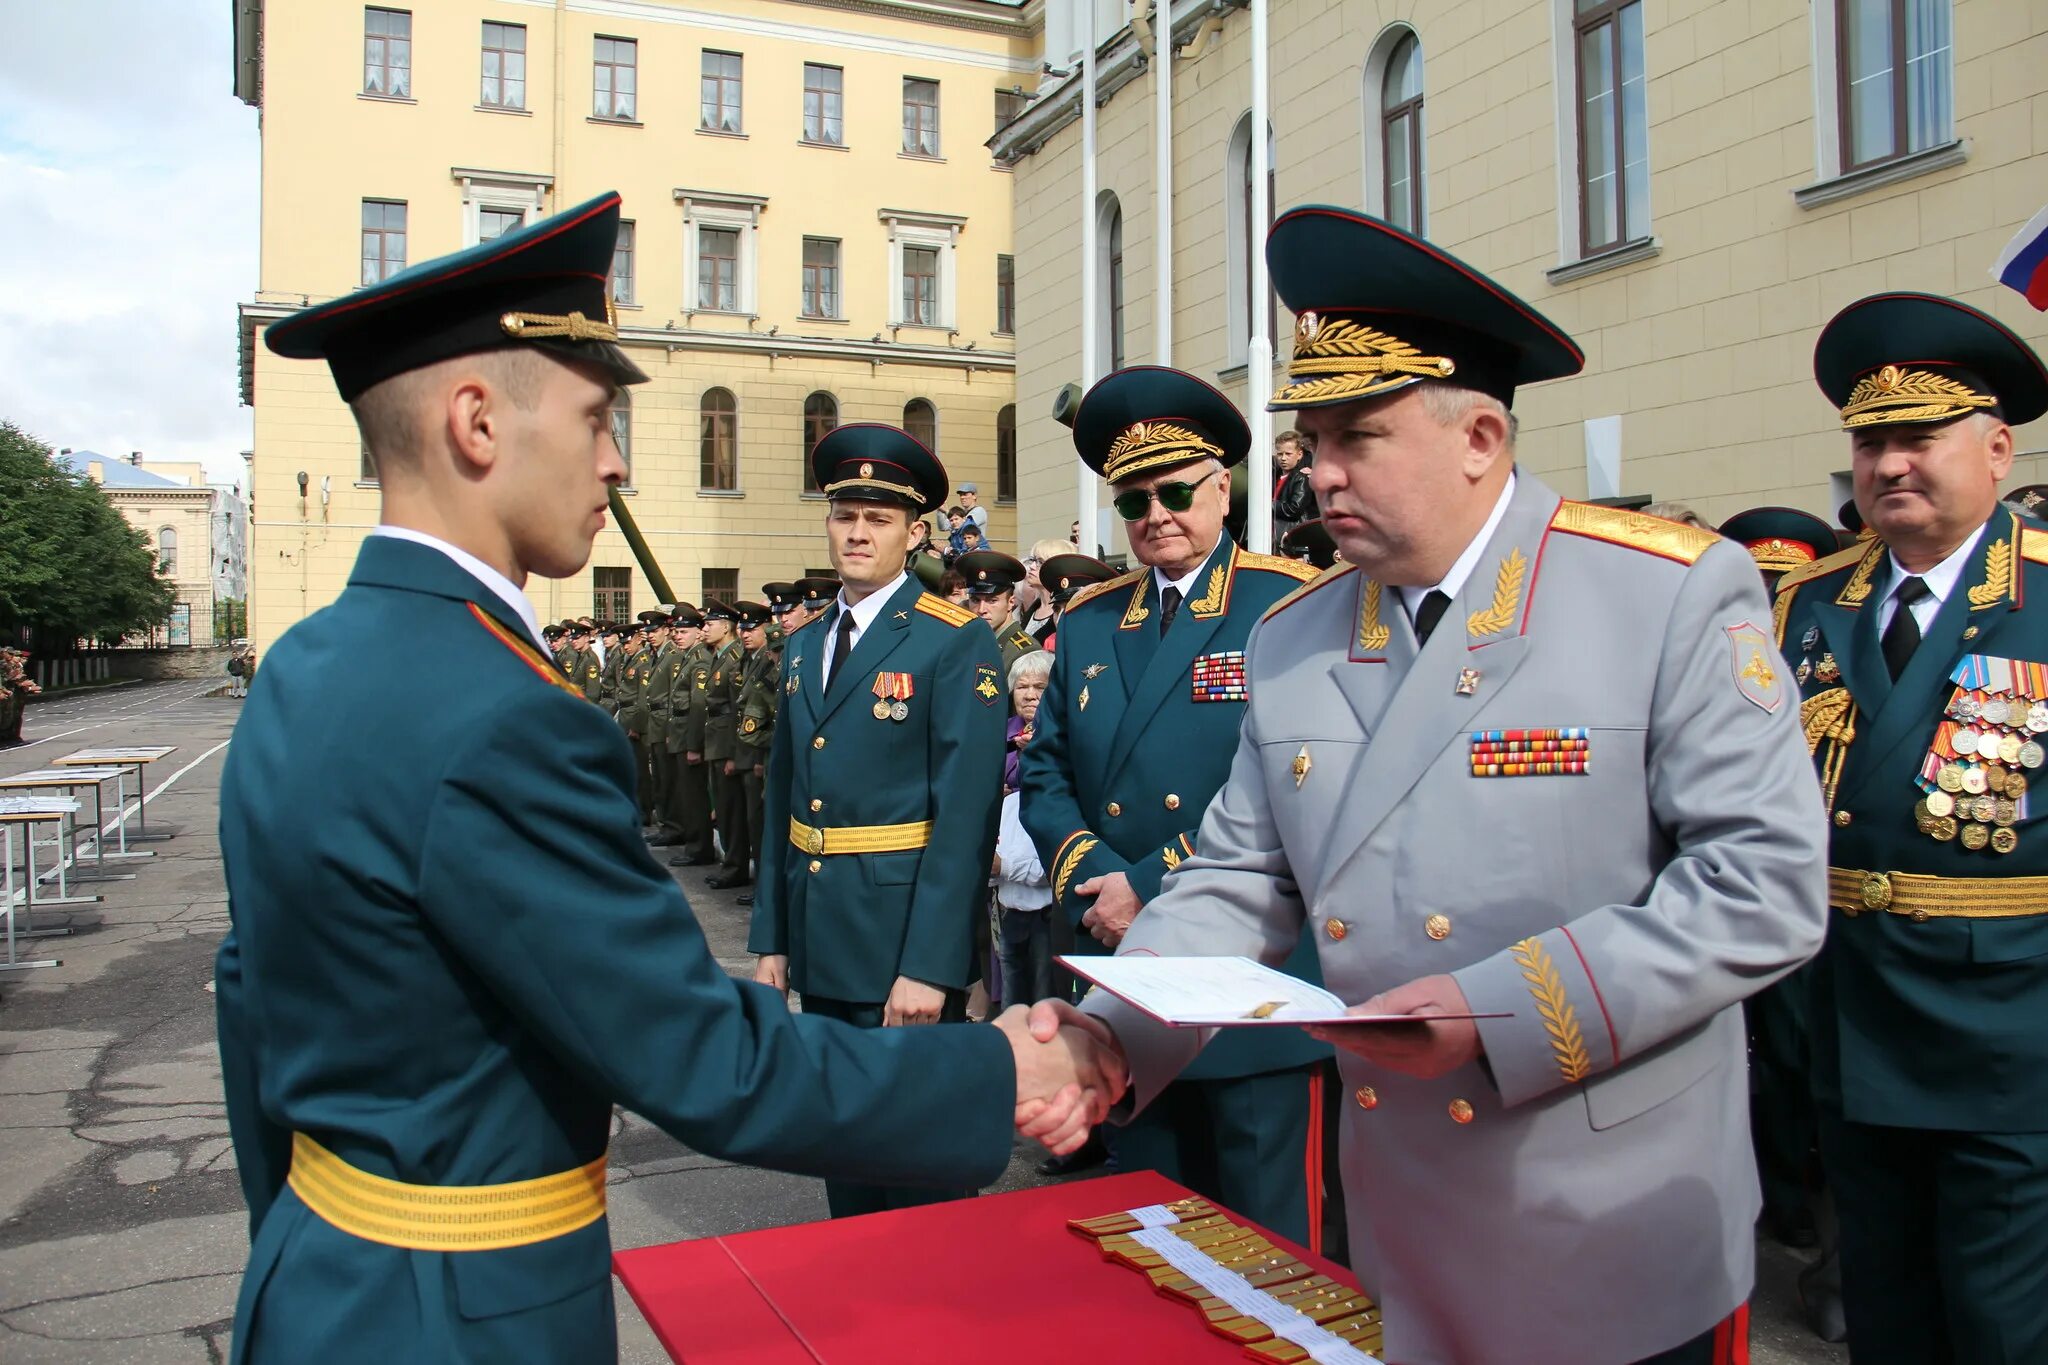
(992, 579)
(757, 699)
(721, 732)
(1063, 577)
(660, 701)
(885, 776)
(608, 684)
(1922, 659)
(693, 772)
(634, 679)
(420, 1066)
(588, 671)
(1135, 734)
(686, 807)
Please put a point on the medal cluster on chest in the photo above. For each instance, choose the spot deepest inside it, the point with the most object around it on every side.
(1974, 777)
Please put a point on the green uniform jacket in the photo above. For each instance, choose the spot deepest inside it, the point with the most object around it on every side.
(852, 923)
(697, 670)
(608, 689)
(668, 674)
(721, 696)
(1134, 736)
(396, 985)
(588, 674)
(1941, 1024)
(1013, 642)
(759, 693)
(635, 674)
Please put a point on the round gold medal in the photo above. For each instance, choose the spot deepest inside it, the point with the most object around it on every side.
(1975, 836)
(1995, 777)
(1950, 778)
(2015, 785)
(881, 710)
(2005, 812)
(1939, 803)
(1943, 831)
(2009, 748)
(2004, 841)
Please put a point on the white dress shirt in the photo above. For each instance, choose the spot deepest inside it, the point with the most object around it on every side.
(1186, 582)
(1941, 580)
(1020, 877)
(1454, 581)
(507, 591)
(864, 613)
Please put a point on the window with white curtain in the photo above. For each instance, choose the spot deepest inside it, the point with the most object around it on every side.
(1895, 78)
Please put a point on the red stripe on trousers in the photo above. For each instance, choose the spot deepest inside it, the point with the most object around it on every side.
(1314, 1158)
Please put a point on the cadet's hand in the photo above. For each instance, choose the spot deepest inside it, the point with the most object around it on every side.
(912, 1002)
(760, 770)
(1116, 905)
(772, 969)
(1069, 1072)
(692, 756)
(1420, 1049)
(729, 768)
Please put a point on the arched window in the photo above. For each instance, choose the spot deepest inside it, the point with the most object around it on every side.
(167, 552)
(921, 420)
(1109, 237)
(1243, 238)
(1401, 134)
(718, 444)
(821, 414)
(1006, 453)
(620, 414)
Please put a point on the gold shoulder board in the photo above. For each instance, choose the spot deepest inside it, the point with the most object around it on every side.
(941, 609)
(2034, 545)
(1295, 569)
(1329, 575)
(1617, 526)
(1826, 564)
(1095, 590)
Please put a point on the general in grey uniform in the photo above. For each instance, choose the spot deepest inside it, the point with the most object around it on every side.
(1568, 790)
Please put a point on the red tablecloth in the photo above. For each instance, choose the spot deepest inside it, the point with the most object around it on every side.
(996, 1281)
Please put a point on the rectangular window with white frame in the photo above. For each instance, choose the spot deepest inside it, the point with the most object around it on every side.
(1006, 294)
(921, 286)
(622, 266)
(920, 117)
(495, 202)
(504, 80)
(719, 93)
(615, 80)
(923, 251)
(1613, 119)
(383, 239)
(1894, 76)
(493, 223)
(821, 277)
(387, 53)
(824, 105)
(720, 231)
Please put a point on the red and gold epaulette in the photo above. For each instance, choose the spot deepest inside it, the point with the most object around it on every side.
(1327, 576)
(528, 655)
(1618, 526)
(940, 609)
(2033, 545)
(1095, 590)
(1819, 568)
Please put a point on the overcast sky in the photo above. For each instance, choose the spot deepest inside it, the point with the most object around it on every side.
(128, 227)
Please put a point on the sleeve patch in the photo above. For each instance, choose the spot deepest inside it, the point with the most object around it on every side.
(985, 684)
(1756, 677)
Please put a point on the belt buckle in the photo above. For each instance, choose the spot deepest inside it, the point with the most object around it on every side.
(1877, 891)
(814, 840)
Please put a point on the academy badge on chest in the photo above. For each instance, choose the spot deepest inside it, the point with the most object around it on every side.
(1974, 777)
(892, 696)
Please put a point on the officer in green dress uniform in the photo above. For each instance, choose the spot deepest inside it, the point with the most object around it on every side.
(992, 579)
(721, 743)
(759, 685)
(1922, 660)
(1135, 734)
(588, 671)
(884, 777)
(420, 1065)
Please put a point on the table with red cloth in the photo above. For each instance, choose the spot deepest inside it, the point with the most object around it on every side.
(998, 1280)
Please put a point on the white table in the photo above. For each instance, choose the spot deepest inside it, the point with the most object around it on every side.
(25, 813)
(67, 781)
(138, 757)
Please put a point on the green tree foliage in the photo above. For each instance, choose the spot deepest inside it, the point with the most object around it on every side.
(71, 567)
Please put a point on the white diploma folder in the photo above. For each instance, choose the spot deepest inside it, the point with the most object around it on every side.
(1225, 992)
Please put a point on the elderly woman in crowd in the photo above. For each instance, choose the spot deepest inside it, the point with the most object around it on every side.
(1023, 894)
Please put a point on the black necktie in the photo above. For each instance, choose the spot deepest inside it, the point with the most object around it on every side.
(1434, 604)
(842, 645)
(1902, 636)
(1169, 607)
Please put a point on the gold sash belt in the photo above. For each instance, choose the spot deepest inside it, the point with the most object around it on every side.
(860, 838)
(444, 1217)
(1920, 897)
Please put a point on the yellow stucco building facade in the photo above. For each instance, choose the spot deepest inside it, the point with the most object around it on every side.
(1691, 188)
(816, 233)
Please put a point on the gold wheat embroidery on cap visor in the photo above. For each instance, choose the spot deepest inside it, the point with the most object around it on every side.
(1893, 395)
(1560, 1019)
(571, 326)
(1155, 445)
(1336, 361)
(1781, 556)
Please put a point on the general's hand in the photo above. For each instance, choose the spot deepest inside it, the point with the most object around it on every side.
(1069, 1072)
(1116, 905)
(1421, 1049)
(912, 1002)
(772, 969)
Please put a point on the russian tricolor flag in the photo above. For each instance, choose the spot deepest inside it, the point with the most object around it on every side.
(2023, 265)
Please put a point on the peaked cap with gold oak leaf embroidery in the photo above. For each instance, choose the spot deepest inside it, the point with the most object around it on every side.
(1898, 358)
(1149, 417)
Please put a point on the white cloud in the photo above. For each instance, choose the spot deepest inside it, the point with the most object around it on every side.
(129, 172)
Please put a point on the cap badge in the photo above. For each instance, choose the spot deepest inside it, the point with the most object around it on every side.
(1335, 358)
(867, 471)
(1893, 394)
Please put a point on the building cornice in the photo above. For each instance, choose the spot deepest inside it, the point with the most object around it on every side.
(971, 15)
(873, 351)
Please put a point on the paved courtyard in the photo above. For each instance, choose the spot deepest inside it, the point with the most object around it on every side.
(121, 1224)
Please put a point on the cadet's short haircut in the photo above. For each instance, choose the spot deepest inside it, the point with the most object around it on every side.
(389, 416)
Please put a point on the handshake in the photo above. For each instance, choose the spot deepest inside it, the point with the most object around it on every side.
(1070, 1071)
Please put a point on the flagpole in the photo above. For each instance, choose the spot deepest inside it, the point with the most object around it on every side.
(1084, 478)
(1259, 349)
(1162, 182)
